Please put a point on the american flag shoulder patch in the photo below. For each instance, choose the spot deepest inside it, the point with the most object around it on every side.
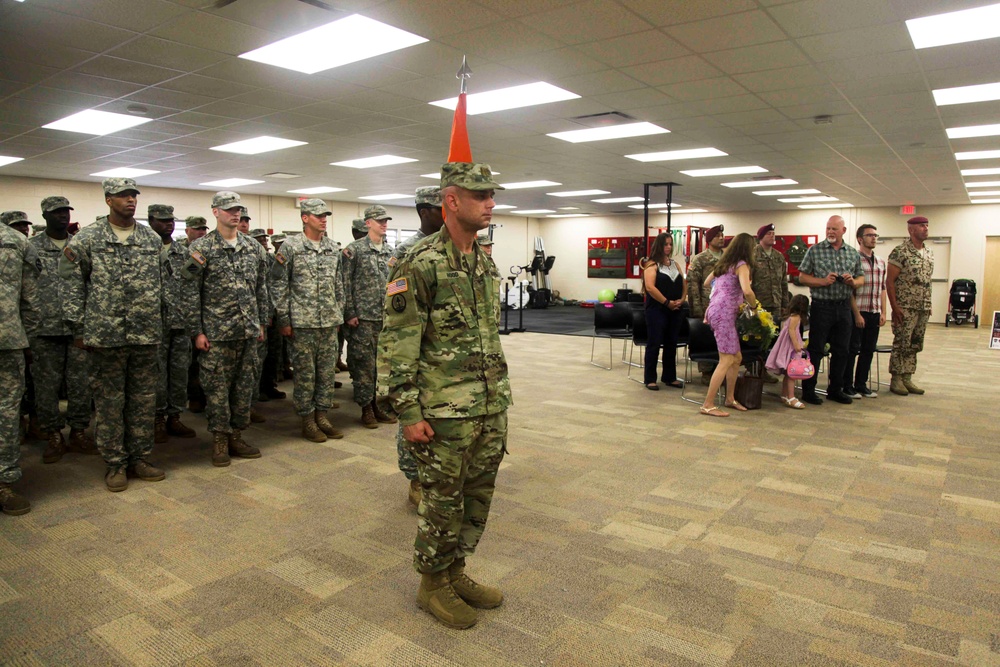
(198, 257)
(397, 287)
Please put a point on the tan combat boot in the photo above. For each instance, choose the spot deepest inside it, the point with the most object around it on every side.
(416, 492)
(160, 430)
(256, 417)
(324, 425)
(145, 471)
(368, 419)
(239, 447)
(115, 478)
(80, 442)
(311, 430)
(55, 449)
(475, 594)
(176, 427)
(220, 449)
(11, 503)
(910, 387)
(896, 386)
(380, 416)
(437, 597)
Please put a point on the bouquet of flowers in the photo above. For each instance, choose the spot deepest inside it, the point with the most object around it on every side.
(755, 325)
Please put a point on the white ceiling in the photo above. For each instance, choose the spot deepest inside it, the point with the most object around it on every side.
(744, 76)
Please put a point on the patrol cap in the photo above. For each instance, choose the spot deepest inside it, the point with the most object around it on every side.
(257, 233)
(278, 238)
(39, 228)
(918, 220)
(763, 230)
(429, 195)
(315, 206)
(55, 203)
(468, 175)
(160, 212)
(244, 213)
(116, 186)
(14, 217)
(195, 222)
(484, 241)
(227, 200)
(358, 224)
(713, 232)
(376, 212)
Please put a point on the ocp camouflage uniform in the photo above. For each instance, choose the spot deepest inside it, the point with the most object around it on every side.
(913, 295)
(310, 299)
(698, 294)
(55, 357)
(19, 269)
(112, 299)
(770, 281)
(175, 350)
(440, 360)
(365, 271)
(229, 304)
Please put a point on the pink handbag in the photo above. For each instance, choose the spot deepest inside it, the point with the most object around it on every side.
(801, 368)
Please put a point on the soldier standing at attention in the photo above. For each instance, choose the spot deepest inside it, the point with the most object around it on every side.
(428, 201)
(55, 358)
(442, 370)
(267, 389)
(229, 310)
(113, 297)
(908, 286)
(310, 305)
(195, 227)
(244, 224)
(365, 268)
(175, 347)
(770, 279)
(19, 269)
(698, 293)
(18, 221)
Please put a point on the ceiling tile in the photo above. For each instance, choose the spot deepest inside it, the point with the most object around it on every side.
(40, 28)
(118, 13)
(814, 17)
(214, 34)
(868, 41)
(426, 17)
(586, 22)
(127, 70)
(634, 49)
(676, 70)
(704, 89)
(727, 32)
(776, 55)
(500, 41)
(153, 51)
(781, 79)
(671, 12)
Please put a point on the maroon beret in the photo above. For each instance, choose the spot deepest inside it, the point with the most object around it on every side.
(762, 232)
(712, 233)
(919, 220)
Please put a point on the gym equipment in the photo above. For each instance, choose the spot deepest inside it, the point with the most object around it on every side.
(606, 296)
(540, 291)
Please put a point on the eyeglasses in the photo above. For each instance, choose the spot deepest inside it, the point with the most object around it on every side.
(871, 236)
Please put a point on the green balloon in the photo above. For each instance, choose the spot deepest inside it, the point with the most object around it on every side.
(606, 296)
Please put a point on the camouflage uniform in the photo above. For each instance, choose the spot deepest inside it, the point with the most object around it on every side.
(440, 360)
(19, 269)
(112, 300)
(56, 359)
(230, 305)
(365, 271)
(310, 299)
(175, 350)
(770, 281)
(913, 295)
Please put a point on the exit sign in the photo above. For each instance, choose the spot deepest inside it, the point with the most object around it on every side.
(907, 209)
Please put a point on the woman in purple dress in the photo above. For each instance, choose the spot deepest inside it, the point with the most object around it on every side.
(732, 275)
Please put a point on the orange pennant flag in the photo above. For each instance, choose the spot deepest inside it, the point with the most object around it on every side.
(459, 150)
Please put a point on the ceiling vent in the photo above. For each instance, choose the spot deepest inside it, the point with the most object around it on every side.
(603, 119)
(282, 174)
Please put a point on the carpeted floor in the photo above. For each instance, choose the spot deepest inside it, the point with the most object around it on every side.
(565, 320)
(627, 530)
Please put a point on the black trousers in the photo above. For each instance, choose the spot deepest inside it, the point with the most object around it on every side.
(829, 322)
(862, 349)
(662, 329)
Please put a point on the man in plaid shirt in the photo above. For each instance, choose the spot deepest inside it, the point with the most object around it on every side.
(868, 306)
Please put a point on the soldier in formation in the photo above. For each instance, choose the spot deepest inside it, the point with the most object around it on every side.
(908, 286)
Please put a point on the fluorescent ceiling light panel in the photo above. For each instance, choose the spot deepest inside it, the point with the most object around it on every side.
(534, 211)
(503, 207)
(983, 184)
(258, 145)
(125, 172)
(805, 199)
(387, 197)
(578, 193)
(642, 206)
(344, 41)
(760, 184)
(317, 191)
(231, 182)
(986, 201)
(984, 193)
(840, 205)
(775, 193)
(973, 131)
(7, 159)
(569, 215)
(977, 155)
(689, 154)
(96, 122)
(612, 132)
(980, 172)
(984, 92)
(377, 161)
(690, 210)
(569, 208)
(967, 25)
(529, 184)
(617, 200)
(724, 171)
(515, 97)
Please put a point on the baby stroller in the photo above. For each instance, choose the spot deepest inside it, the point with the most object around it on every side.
(962, 303)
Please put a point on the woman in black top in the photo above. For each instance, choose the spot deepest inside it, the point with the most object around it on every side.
(666, 293)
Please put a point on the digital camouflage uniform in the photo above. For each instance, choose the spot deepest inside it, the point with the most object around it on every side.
(19, 269)
(913, 295)
(440, 360)
(112, 299)
(770, 281)
(229, 304)
(310, 298)
(56, 359)
(175, 350)
(365, 271)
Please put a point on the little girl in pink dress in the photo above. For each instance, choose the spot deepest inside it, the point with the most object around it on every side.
(788, 346)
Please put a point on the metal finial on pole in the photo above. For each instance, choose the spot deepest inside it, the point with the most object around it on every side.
(464, 74)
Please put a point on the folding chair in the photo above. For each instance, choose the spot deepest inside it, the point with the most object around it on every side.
(611, 321)
(701, 347)
(640, 336)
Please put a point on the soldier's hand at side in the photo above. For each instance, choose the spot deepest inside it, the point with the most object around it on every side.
(897, 317)
(262, 335)
(859, 321)
(419, 432)
(201, 342)
(286, 331)
(353, 322)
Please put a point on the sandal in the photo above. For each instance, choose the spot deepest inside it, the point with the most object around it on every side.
(713, 411)
(793, 403)
(735, 405)
(653, 387)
